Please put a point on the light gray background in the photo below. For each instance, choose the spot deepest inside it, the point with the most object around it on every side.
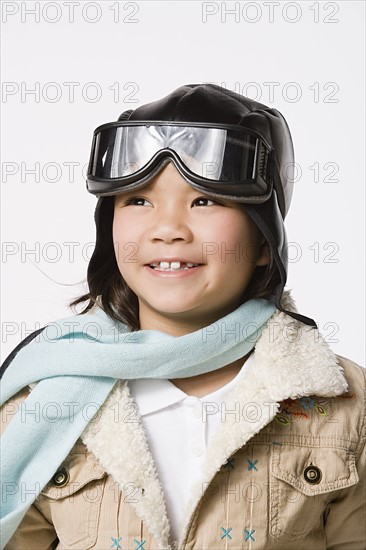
(152, 48)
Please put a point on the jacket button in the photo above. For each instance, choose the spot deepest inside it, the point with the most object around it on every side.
(312, 474)
(60, 478)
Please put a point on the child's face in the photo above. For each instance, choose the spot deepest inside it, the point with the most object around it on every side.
(168, 219)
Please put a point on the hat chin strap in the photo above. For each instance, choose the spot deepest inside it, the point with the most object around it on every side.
(297, 316)
(268, 218)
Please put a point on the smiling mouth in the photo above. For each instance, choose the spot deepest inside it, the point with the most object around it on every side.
(173, 266)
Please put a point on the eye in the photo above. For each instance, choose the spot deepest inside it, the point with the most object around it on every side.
(205, 199)
(134, 200)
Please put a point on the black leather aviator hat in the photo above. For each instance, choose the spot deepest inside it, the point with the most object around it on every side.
(209, 103)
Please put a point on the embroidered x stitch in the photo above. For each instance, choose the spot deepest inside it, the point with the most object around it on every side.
(249, 534)
(116, 542)
(252, 465)
(226, 532)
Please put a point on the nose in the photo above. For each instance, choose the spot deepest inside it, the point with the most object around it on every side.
(170, 225)
(170, 220)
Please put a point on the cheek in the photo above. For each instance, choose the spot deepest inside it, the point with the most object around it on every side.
(120, 226)
(125, 241)
(236, 241)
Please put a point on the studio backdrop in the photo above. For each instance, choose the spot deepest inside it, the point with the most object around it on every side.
(68, 67)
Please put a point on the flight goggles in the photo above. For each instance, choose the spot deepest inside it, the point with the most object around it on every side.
(223, 160)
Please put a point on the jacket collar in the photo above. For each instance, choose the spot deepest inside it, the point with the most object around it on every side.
(290, 360)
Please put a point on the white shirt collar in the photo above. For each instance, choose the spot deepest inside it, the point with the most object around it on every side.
(154, 394)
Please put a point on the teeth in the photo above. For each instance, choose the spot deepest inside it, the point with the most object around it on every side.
(172, 265)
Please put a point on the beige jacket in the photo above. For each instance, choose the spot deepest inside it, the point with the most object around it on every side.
(285, 471)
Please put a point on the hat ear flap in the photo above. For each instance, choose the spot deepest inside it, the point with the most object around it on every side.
(267, 217)
(125, 115)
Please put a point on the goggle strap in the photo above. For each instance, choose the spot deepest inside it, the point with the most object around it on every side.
(125, 115)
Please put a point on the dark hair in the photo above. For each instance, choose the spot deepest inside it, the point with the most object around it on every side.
(115, 296)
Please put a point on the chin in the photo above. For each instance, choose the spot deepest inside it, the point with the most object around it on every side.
(183, 310)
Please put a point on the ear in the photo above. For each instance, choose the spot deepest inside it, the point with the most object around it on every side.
(264, 254)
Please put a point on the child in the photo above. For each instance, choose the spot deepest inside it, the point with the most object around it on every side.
(190, 405)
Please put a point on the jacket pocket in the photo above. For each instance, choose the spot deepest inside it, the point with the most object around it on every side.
(302, 481)
(74, 495)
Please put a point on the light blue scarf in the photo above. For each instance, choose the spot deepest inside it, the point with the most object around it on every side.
(77, 361)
